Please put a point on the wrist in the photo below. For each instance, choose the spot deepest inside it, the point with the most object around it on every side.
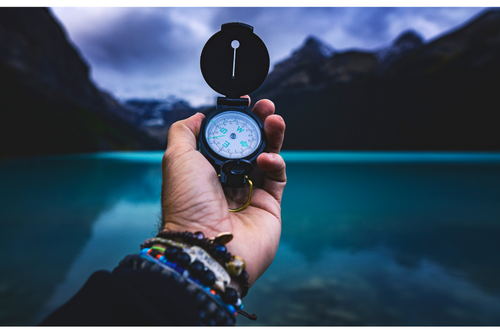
(205, 261)
(214, 250)
(210, 233)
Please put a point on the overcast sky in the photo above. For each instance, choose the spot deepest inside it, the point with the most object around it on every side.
(154, 52)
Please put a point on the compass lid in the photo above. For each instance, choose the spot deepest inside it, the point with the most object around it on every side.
(234, 68)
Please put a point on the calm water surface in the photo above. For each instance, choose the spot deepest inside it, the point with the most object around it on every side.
(368, 238)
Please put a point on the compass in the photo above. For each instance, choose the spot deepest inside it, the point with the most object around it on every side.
(234, 62)
(233, 134)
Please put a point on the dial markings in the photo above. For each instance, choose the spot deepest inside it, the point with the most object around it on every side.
(229, 128)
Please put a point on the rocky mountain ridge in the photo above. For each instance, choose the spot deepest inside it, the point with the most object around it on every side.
(439, 95)
(48, 103)
(315, 64)
(406, 42)
(155, 116)
(411, 95)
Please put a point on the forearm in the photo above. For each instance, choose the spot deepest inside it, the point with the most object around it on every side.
(129, 297)
(168, 283)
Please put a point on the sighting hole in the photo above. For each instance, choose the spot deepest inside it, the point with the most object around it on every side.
(235, 44)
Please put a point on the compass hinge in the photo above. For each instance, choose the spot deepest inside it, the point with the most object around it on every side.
(224, 101)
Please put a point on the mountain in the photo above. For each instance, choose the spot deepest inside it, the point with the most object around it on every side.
(48, 105)
(155, 116)
(405, 43)
(410, 95)
(413, 95)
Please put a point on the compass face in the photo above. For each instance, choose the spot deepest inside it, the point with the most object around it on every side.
(233, 134)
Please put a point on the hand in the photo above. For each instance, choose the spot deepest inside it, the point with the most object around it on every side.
(193, 198)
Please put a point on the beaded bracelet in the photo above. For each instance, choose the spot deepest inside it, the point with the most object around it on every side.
(189, 243)
(185, 255)
(193, 251)
(234, 265)
(198, 274)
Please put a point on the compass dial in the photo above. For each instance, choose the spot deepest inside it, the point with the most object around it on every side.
(233, 134)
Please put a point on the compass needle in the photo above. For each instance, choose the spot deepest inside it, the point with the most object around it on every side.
(213, 137)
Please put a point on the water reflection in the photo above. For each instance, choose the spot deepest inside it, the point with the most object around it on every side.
(393, 244)
(362, 243)
(115, 233)
(48, 207)
(365, 288)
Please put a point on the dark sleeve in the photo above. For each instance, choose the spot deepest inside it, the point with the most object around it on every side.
(138, 297)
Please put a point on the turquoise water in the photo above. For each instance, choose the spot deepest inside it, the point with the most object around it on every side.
(368, 238)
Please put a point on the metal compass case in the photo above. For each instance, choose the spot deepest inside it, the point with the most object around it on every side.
(234, 62)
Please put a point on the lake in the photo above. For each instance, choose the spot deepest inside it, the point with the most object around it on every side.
(368, 238)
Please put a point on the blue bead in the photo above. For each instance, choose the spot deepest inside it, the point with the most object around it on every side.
(144, 250)
(171, 253)
(230, 308)
(198, 235)
(230, 296)
(196, 269)
(183, 259)
(220, 251)
(208, 279)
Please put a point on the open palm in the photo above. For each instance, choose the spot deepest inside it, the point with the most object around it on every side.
(193, 198)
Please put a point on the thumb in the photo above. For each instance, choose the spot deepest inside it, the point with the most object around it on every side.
(183, 133)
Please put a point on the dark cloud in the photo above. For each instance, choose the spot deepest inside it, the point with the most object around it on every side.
(280, 26)
(250, 15)
(136, 41)
(152, 52)
(371, 23)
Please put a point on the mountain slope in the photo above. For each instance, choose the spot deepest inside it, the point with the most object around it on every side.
(435, 96)
(48, 105)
